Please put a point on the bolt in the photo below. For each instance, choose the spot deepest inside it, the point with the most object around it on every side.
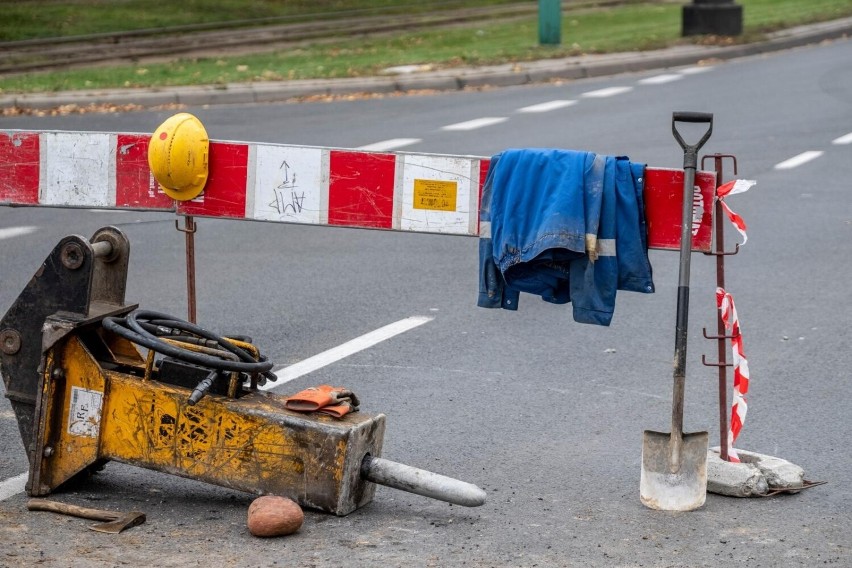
(57, 374)
(72, 256)
(48, 451)
(10, 341)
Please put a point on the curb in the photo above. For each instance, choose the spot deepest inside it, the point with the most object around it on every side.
(570, 68)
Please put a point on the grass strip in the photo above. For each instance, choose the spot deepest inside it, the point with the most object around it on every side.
(599, 30)
(29, 19)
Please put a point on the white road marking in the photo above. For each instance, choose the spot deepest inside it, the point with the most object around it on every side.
(548, 106)
(475, 123)
(660, 79)
(11, 232)
(416, 368)
(334, 354)
(695, 70)
(845, 139)
(797, 161)
(391, 144)
(13, 485)
(608, 92)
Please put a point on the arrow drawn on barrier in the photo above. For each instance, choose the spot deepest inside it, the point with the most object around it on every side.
(288, 184)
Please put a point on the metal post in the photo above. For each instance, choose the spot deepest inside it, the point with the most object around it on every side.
(720, 325)
(549, 22)
(189, 230)
(721, 336)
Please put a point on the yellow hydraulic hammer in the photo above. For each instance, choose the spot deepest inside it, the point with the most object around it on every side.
(84, 392)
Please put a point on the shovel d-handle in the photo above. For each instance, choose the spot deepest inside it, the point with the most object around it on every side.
(690, 152)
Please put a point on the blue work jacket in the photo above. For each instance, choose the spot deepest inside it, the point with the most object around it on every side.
(565, 225)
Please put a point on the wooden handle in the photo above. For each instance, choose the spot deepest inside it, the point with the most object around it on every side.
(73, 510)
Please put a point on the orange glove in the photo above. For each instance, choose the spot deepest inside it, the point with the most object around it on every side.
(339, 410)
(335, 401)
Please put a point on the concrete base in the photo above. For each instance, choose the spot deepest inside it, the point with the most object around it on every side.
(718, 19)
(756, 475)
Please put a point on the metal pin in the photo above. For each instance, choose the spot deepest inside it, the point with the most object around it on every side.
(421, 482)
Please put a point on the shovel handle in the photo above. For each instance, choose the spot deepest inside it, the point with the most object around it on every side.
(690, 162)
(73, 510)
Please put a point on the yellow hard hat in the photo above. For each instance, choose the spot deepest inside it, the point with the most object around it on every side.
(177, 156)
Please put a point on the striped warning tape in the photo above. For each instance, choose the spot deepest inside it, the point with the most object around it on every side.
(732, 188)
(728, 313)
(739, 407)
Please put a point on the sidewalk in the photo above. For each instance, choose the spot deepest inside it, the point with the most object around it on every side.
(445, 80)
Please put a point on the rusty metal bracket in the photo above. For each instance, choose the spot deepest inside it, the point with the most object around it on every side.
(718, 159)
(706, 364)
(704, 332)
(725, 253)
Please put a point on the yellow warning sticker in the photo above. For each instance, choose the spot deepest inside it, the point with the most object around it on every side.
(435, 195)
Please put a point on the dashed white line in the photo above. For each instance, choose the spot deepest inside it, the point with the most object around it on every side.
(660, 79)
(845, 139)
(695, 70)
(608, 92)
(548, 106)
(13, 485)
(476, 123)
(334, 354)
(798, 160)
(391, 144)
(11, 232)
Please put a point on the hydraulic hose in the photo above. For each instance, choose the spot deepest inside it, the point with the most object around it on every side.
(140, 326)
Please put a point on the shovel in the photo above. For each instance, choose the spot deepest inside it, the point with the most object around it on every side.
(674, 465)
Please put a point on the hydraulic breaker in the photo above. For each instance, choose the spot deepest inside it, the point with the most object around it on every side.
(93, 380)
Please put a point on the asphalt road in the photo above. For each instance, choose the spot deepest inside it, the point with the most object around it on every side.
(545, 414)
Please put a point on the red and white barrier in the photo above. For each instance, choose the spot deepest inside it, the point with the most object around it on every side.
(428, 193)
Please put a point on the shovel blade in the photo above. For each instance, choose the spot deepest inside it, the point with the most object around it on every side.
(673, 485)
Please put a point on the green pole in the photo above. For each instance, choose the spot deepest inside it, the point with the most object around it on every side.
(549, 22)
